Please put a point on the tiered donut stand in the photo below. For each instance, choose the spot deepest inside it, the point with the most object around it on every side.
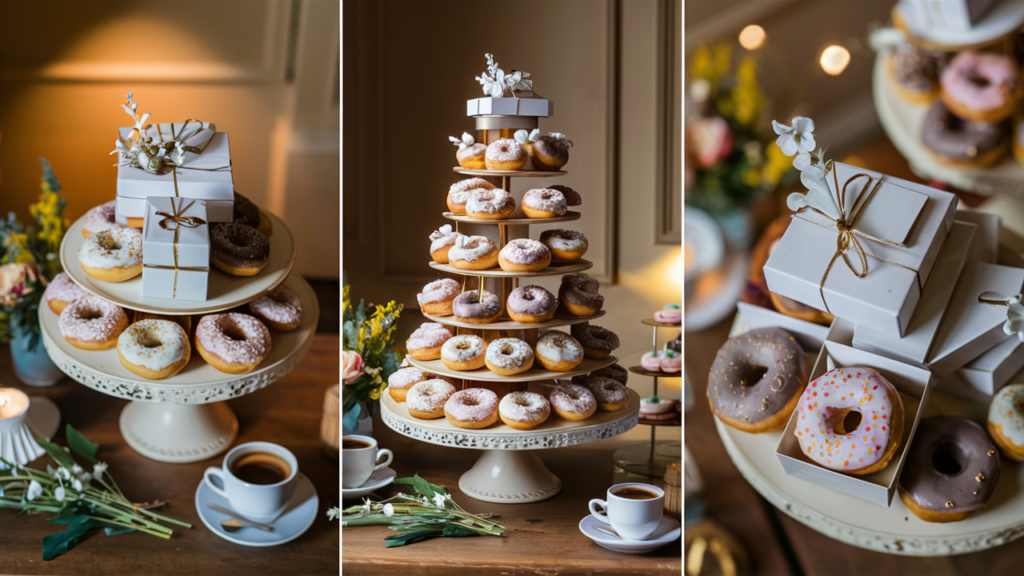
(509, 471)
(651, 460)
(183, 418)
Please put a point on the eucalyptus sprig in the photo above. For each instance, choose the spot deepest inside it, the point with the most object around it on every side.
(432, 514)
(79, 497)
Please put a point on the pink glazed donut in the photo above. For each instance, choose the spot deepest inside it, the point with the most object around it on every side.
(234, 343)
(980, 86)
(100, 218)
(670, 314)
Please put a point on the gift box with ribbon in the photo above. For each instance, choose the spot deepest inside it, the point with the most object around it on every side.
(866, 257)
(203, 173)
(175, 249)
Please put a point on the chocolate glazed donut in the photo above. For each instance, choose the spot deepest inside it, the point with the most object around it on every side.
(962, 143)
(572, 197)
(597, 342)
(245, 212)
(579, 294)
(756, 380)
(951, 470)
(238, 249)
(615, 372)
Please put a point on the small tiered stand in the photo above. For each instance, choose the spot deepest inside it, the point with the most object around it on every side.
(183, 418)
(509, 471)
(651, 460)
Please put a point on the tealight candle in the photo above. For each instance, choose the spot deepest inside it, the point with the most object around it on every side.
(17, 443)
(13, 403)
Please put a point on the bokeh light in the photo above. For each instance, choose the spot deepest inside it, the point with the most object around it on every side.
(752, 37)
(834, 60)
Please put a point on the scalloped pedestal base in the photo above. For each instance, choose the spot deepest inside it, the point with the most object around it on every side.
(178, 432)
(509, 477)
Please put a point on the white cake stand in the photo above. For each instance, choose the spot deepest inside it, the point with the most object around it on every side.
(895, 529)
(183, 418)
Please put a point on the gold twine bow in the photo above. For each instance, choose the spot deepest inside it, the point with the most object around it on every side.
(846, 225)
(178, 219)
(174, 169)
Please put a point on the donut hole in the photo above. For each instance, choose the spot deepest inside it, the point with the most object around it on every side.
(844, 420)
(948, 459)
(147, 340)
(232, 331)
(752, 375)
(978, 80)
(89, 314)
(470, 401)
(108, 242)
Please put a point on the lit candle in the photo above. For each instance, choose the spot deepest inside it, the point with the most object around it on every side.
(13, 403)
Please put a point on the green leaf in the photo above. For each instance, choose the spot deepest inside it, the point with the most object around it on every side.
(411, 537)
(459, 531)
(117, 530)
(81, 444)
(59, 454)
(421, 486)
(56, 544)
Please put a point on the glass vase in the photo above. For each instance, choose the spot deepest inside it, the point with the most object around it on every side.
(33, 367)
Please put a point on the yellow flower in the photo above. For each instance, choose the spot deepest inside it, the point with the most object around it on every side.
(752, 177)
(723, 56)
(776, 166)
(747, 96)
(700, 64)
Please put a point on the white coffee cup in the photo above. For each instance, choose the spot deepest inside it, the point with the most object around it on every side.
(259, 502)
(632, 519)
(358, 464)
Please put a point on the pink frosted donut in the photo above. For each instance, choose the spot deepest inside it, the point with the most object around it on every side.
(472, 408)
(426, 341)
(281, 309)
(573, 402)
(91, 323)
(100, 218)
(980, 86)
(611, 395)
(524, 255)
(233, 342)
(62, 291)
(544, 203)
(531, 304)
(505, 154)
(670, 314)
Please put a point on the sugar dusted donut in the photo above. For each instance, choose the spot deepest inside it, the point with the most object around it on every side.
(437, 297)
(544, 203)
(756, 380)
(441, 241)
(505, 154)
(427, 399)
(91, 323)
(573, 402)
(62, 291)
(475, 308)
(460, 192)
(464, 352)
(572, 197)
(100, 218)
(524, 255)
(821, 429)
(238, 249)
(551, 152)
(523, 410)
(951, 470)
(402, 380)
(670, 314)
(281, 309)
(980, 86)
(472, 408)
(233, 342)
(565, 245)
(154, 349)
(579, 295)
(470, 154)
(508, 356)
(611, 396)
(531, 304)
(113, 255)
(494, 204)
(558, 352)
(1006, 421)
(598, 343)
(473, 253)
(426, 341)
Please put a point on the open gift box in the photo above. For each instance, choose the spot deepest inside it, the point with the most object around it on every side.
(893, 227)
(991, 371)
(914, 387)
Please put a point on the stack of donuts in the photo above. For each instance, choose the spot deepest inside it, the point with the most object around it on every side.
(525, 151)
(972, 94)
(481, 200)
(155, 347)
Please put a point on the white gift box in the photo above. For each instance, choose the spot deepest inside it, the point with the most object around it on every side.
(175, 249)
(985, 247)
(809, 335)
(509, 106)
(916, 343)
(206, 176)
(971, 327)
(986, 374)
(914, 387)
(953, 15)
(903, 212)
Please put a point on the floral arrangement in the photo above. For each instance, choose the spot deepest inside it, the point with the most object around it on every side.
(431, 514)
(29, 260)
(368, 356)
(80, 498)
(728, 163)
(494, 81)
(141, 152)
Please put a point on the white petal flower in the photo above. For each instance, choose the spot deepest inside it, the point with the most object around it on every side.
(76, 484)
(35, 489)
(818, 194)
(468, 139)
(59, 493)
(439, 500)
(521, 136)
(534, 135)
(797, 138)
(178, 156)
(63, 473)
(802, 161)
(98, 469)
(389, 510)
(76, 470)
(1014, 317)
(85, 477)
(333, 513)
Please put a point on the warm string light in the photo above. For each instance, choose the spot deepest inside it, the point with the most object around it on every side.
(834, 60)
(752, 37)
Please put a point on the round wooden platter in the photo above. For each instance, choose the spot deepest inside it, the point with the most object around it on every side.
(644, 372)
(510, 173)
(513, 325)
(461, 218)
(552, 270)
(534, 374)
(653, 322)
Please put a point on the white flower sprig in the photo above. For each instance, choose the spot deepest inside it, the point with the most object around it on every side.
(524, 137)
(139, 151)
(798, 140)
(494, 81)
(466, 141)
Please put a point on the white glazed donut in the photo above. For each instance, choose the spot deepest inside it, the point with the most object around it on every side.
(113, 255)
(473, 253)
(402, 380)
(281, 309)
(154, 349)
(461, 191)
(508, 356)
(494, 204)
(472, 408)
(464, 352)
(573, 402)
(558, 352)
(523, 410)
(441, 240)
(544, 203)
(437, 297)
(426, 399)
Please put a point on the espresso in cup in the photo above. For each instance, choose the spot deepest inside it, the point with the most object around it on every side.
(257, 478)
(634, 510)
(352, 444)
(633, 493)
(261, 468)
(360, 458)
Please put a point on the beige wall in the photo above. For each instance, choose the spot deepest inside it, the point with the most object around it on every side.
(67, 66)
(397, 160)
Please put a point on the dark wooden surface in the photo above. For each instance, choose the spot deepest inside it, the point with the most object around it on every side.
(540, 538)
(776, 543)
(287, 412)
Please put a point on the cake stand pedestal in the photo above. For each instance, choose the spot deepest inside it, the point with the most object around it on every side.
(178, 432)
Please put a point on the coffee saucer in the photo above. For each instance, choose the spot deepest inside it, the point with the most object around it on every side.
(379, 479)
(667, 532)
(292, 523)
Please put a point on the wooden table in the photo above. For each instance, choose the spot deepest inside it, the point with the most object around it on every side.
(287, 412)
(776, 543)
(540, 538)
